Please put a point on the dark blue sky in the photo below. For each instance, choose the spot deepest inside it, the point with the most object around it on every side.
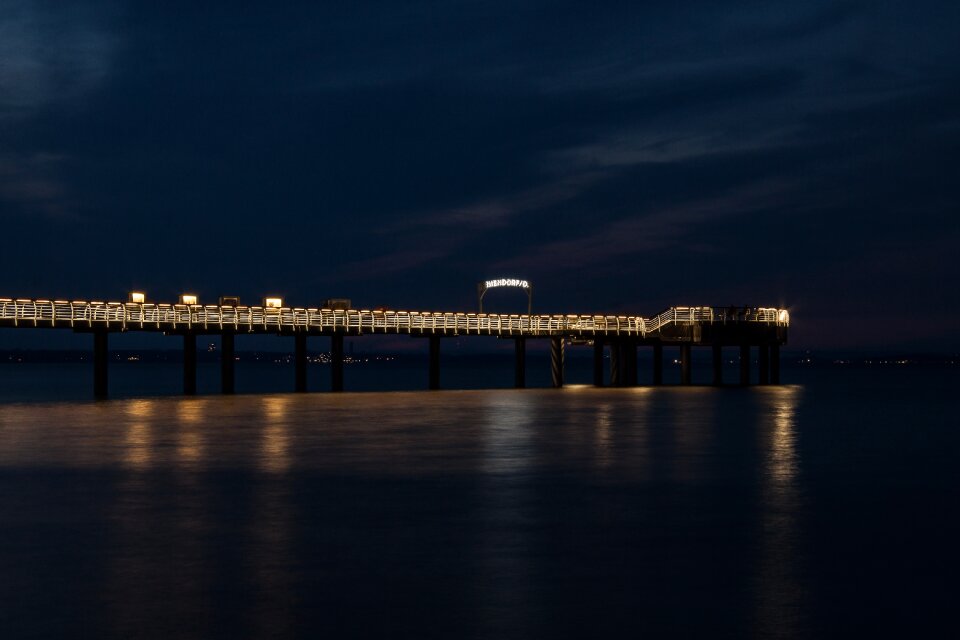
(623, 156)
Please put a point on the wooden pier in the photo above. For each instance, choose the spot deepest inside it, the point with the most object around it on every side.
(746, 328)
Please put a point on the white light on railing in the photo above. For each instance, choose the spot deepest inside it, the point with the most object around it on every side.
(188, 298)
(273, 303)
(138, 297)
(784, 316)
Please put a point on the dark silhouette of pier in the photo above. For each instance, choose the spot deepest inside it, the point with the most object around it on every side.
(746, 328)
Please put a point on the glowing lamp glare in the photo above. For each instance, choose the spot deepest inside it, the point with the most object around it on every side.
(273, 303)
(137, 297)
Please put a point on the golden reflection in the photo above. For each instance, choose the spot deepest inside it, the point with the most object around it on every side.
(603, 453)
(782, 454)
(189, 448)
(189, 444)
(190, 410)
(15, 437)
(778, 591)
(270, 528)
(138, 446)
(141, 408)
(275, 446)
(275, 407)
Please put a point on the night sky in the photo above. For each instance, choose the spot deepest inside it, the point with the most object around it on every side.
(622, 156)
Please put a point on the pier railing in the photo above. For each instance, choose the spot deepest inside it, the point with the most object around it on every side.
(162, 317)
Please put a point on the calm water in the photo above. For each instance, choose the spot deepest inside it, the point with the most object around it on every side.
(821, 508)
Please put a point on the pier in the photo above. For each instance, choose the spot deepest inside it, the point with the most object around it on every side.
(749, 329)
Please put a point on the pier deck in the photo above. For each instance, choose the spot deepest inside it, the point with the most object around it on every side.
(745, 327)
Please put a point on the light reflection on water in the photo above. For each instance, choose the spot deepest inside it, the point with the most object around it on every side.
(507, 507)
(275, 445)
(783, 463)
(138, 446)
(692, 427)
(778, 587)
(507, 434)
(189, 435)
(604, 453)
(510, 448)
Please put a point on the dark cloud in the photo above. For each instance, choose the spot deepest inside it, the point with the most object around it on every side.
(624, 157)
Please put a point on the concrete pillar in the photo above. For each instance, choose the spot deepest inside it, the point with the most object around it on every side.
(685, 364)
(774, 363)
(520, 363)
(597, 363)
(300, 362)
(336, 362)
(764, 364)
(100, 356)
(717, 364)
(616, 369)
(227, 362)
(658, 364)
(556, 362)
(189, 363)
(434, 362)
(744, 364)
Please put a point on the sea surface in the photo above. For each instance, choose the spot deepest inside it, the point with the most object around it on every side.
(826, 507)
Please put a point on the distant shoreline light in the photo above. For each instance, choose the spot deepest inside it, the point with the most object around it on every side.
(507, 282)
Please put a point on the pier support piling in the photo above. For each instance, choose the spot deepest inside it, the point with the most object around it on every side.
(336, 362)
(520, 363)
(227, 362)
(717, 365)
(616, 368)
(300, 362)
(434, 382)
(597, 363)
(744, 364)
(628, 363)
(624, 363)
(685, 377)
(189, 363)
(774, 363)
(556, 362)
(100, 364)
(658, 364)
(764, 364)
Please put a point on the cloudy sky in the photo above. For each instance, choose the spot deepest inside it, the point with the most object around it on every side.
(622, 156)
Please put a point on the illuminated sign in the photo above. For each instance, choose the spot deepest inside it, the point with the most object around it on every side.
(507, 282)
(273, 303)
(483, 285)
(138, 298)
(188, 298)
